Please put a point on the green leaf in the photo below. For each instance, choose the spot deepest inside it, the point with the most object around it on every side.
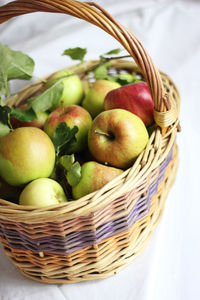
(76, 53)
(13, 65)
(111, 78)
(114, 51)
(5, 115)
(74, 174)
(48, 98)
(4, 129)
(67, 161)
(16, 64)
(5, 60)
(101, 72)
(21, 67)
(63, 138)
(27, 115)
(127, 78)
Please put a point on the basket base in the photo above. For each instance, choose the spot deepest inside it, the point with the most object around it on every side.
(115, 260)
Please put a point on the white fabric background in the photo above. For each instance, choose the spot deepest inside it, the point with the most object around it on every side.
(169, 266)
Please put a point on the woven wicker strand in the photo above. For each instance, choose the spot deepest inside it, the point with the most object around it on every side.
(117, 221)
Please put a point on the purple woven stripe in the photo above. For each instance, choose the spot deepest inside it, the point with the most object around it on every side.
(78, 240)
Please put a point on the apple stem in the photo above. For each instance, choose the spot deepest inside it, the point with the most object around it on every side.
(104, 134)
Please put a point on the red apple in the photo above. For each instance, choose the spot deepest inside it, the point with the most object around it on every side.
(72, 115)
(117, 137)
(135, 98)
(38, 122)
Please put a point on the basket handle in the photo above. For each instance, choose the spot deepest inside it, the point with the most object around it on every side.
(164, 114)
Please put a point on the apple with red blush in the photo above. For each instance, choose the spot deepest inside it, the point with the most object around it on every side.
(72, 115)
(117, 137)
(93, 177)
(134, 97)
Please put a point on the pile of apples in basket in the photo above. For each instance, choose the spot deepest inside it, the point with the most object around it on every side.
(74, 134)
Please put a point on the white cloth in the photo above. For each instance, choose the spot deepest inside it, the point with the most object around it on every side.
(169, 266)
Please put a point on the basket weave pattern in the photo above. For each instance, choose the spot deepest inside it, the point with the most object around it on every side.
(73, 235)
(97, 260)
(97, 235)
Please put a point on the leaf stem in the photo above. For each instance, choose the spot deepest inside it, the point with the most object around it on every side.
(40, 79)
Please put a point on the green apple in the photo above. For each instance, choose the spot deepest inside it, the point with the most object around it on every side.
(86, 86)
(94, 100)
(27, 153)
(72, 115)
(42, 192)
(72, 91)
(93, 177)
(117, 137)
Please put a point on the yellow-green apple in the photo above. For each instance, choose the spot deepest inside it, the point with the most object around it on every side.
(38, 122)
(135, 98)
(117, 137)
(72, 115)
(42, 192)
(94, 100)
(26, 153)
(86, 87)
(73, 89)
(93, 177)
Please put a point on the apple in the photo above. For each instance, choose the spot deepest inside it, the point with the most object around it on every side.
(135, 98)
(93, 177)
(38, 122)
(72, 91)
(72, 115)
(42, 192)
(86, 86)
(94, 100)
(117, 137)
(26, 153)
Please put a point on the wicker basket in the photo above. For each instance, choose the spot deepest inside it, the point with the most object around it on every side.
(97, 235)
